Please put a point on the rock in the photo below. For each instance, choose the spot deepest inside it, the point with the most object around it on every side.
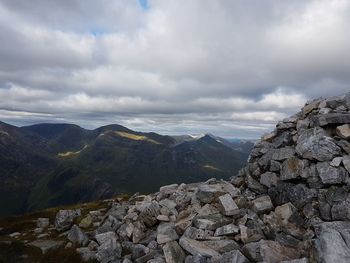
(255, 186)
(173, 252)
(299, 260)
(86, 221)
(228, 206)
(109, 251)
(251, 234)
(64, 219)
(207, 193)
(76, 236)
(195, 247)
(268, 136)
(341, 210)
(268, 179)
(314, 144)
(211, 222)
(346, 162)
(166, 233)
(234, 256)
(344, 145)
(343, 131)
(313, 105)
(226, 230)
(47, 245)
(283, 153)
(330, 174)
(331, 118)
(163, 218)
(292, 168)
(42, 222)
(298, 194)
(221, 246)
(198, 234)
(336, 161)
(269, 251)
(149, 213)
(104, 237)
(262, 204)
(285, 212)
(332, 243)
(86, 254)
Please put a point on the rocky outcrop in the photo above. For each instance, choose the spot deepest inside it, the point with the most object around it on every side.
(291, 203)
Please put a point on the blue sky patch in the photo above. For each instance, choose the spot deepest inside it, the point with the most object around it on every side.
(144, 4)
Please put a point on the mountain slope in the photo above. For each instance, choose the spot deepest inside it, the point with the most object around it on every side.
(69, 164)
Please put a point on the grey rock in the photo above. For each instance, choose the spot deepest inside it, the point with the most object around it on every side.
(77, 236)
(198, 234)
(251, 234)
(104, 237)
(234, 256)
(221, 246)
(166, 233)
(228, 206)
(310, 106)
(341, 210)
(65, 218)
(195, 247)
(331, 118)
(149, 213)
(345, 145)
(283, 153)
(314, 144)
(275, 166)
(226, 230)
(262, 204)
(292, 168)
(269, 251)
(336, 161)
(335, 102)
(255, 186)
(109, 251)
(343, 131)
(299, 260)
(42, 222)
(211, 222)
(330, 174)
(346, 162)
(332, 243)
(86, 254)
(269, 179)
(173, 253)
(47, 245)
(298, 194)
(207, 193)
(303, 124)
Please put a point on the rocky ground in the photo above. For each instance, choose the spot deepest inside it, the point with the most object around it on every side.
(291, 203)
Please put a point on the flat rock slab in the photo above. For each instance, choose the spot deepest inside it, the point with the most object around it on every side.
(195, 247)
(47, 245)
(228, 206)
(314, 144)
(173, 252)
(331, 118)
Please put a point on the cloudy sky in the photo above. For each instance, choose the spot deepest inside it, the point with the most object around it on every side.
(232, 68)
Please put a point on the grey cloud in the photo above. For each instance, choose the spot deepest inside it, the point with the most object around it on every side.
(228, 67)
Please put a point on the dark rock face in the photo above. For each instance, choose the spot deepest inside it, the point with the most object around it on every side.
(291, 203)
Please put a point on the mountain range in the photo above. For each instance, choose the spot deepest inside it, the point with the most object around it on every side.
(46, 165)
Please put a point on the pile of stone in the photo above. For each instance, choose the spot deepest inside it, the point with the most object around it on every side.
(291, 203)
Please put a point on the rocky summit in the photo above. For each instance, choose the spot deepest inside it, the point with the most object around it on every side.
(291, 203)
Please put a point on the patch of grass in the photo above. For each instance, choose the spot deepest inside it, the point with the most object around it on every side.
(136, 137)
(18, 252)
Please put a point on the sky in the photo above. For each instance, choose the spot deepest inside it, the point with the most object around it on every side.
(228, 67)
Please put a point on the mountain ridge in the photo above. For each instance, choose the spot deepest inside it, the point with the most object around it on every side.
(104, 161)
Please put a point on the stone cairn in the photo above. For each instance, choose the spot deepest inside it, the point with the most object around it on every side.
(291, 203)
